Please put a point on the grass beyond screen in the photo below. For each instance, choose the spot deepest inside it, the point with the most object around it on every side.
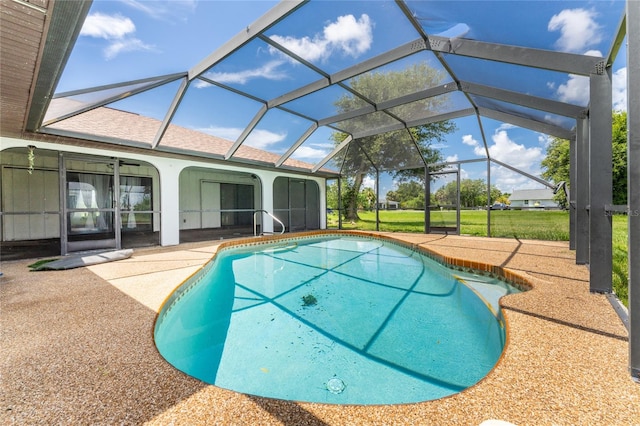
(550, 225)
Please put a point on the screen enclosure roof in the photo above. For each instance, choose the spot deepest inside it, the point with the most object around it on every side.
(308, 79)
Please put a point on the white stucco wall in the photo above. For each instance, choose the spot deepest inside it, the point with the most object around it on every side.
(169, 170)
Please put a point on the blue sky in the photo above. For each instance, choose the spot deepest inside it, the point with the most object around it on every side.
(129, 39)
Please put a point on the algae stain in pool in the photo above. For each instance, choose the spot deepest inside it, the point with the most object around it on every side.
(380, 324)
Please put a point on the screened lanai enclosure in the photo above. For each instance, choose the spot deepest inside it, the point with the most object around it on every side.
(318, 110)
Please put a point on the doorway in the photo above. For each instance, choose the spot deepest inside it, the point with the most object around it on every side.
(444, 213)
(90, 219)
(296, 202)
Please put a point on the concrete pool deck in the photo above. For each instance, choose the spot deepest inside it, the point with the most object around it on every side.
(77, 348)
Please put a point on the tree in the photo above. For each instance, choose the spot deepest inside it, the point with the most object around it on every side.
(473, 193)
(502, 198)
(409, 194)
(556, 163)
(619, 140)
(399, 152)
(367, 199)
(332, 194)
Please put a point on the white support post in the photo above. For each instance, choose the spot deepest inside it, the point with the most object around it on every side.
(267, 200)
(169, 204)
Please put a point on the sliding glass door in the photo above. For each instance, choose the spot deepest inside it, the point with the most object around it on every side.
(90, 209)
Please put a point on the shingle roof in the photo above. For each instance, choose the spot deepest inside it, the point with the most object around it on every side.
(113, 124)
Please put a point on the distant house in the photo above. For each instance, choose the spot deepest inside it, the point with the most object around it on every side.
(388, 205)
(533, 199)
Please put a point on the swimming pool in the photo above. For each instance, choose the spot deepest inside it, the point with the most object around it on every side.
(334, 319)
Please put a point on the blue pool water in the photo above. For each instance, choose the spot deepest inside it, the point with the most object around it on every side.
(341, 320)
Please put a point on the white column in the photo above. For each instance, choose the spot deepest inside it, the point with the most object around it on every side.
(169, 203)
(267, 178)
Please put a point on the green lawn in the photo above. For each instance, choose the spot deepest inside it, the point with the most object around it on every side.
(537, 225)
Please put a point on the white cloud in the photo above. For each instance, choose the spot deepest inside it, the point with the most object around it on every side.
(619, 84)
(309, 154)
(125, 45)
(516, 155)
(507, 181)
(263, 139)
(118, 30)
(505, 126)
(369, 182)
(469, 140)
(201, 84)
(107, 27)
(544, 140)
(596, 53)
(346, 35)
(509, 152)
(168, 10)
(440, 145)
(304, 47)
(269, 71)
(575, 90)
(578, 29)
(464, 174)
(478, 148)
(228, 133)
(259, 138)
(351, 36)
(451, 158)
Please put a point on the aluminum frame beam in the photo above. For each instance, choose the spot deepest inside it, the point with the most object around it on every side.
(530, 176)
(535, 58)
(170, 112)
(299, 93)
(618, 40)
(254, 122)
(329, 156)
(600, 182)
(96, 138)
(423, 94)
(633, 182)
(489, 197)
(445, 163)
(369, 109)
(274, 15)
(153, 83)
(581, 191)
(295, 146)
(542, 104)
(441, 117)
(571, 201)
(443, 89)
(527, 123)
(347, 73)
(392, 55)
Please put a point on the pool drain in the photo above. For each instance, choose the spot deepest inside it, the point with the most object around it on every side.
(335, 385)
